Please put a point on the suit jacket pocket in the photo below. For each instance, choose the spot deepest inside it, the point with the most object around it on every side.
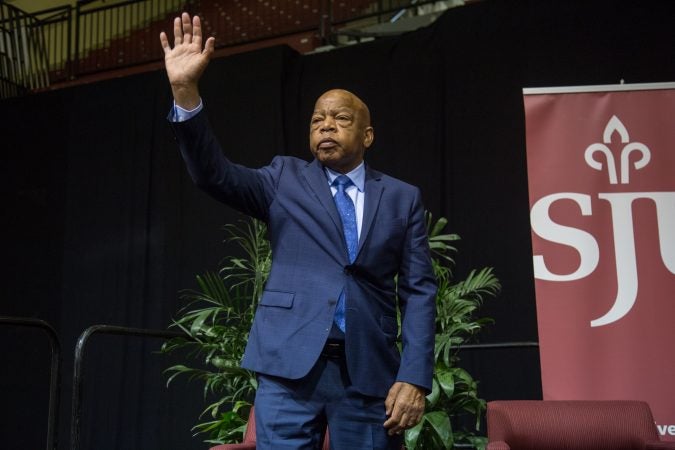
(277, 298)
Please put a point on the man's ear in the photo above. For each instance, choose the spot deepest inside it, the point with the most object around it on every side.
(368, 137)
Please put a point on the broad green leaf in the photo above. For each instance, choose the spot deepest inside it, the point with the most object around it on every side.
(412, 435)
(446, 381)
(434, 395)
(440, 422)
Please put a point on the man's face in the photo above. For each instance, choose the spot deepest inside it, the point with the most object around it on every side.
(340, 131)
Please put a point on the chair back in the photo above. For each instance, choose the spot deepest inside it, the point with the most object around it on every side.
(570, 425)
(249, 435)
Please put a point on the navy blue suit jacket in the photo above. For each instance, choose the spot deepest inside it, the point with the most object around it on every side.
(310, 266)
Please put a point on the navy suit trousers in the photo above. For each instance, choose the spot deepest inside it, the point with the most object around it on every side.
(292, 414)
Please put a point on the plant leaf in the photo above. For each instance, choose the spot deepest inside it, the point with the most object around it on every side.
(412, 435)
(440, 422)
(446, 380)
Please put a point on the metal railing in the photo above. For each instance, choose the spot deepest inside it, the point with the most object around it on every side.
(500, 345)
(78, 372)
(61, 44)
(121, 33)
(23, 55)
(55, 25)
(54, 373)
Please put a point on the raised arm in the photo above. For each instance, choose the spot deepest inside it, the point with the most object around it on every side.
(187, 60)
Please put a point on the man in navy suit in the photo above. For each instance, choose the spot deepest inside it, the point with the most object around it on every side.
(349, 247)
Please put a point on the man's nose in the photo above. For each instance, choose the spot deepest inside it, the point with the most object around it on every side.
(328, 124)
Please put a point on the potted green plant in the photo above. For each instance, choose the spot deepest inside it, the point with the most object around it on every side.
(454, 392)
(218, 315)
(216, 320)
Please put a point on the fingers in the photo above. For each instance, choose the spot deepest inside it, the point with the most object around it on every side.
(165, 42)
(187, 27)
(400, 421)
(391, 398)
(177, 32)
(393, 426)
(197, 31)
(182, 29)
(187, 31)
(405, 406)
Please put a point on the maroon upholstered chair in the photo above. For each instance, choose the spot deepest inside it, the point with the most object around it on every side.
(572, 425)
(249, 438)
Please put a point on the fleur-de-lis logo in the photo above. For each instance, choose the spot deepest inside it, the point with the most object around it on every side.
(616, 126)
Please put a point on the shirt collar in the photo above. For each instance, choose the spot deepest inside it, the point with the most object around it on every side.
(357, 175)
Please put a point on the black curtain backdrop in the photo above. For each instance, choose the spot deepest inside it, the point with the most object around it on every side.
(102, 224)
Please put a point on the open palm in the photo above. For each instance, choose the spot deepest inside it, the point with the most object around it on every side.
(186, 61)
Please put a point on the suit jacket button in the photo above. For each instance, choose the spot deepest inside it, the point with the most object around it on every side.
(332, 301)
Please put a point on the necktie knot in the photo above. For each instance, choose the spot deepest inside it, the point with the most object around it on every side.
(342, 182)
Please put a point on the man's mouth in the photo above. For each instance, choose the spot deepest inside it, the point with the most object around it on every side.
(326, 144)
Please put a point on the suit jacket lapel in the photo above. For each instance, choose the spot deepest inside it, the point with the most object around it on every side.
(316, 178)
(373, 194)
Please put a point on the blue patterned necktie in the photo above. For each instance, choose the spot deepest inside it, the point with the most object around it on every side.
(345, 207)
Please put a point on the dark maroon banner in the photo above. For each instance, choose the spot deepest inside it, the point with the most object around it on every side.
(601, 168)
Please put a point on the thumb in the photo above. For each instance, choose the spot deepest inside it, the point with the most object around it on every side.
(210, 46)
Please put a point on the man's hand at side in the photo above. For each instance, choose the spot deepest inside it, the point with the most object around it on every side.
(186, 62)
(404, 406)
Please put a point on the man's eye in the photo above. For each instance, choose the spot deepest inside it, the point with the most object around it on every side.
(342, 117)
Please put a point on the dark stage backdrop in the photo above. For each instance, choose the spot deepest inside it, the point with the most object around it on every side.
(102, 224)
